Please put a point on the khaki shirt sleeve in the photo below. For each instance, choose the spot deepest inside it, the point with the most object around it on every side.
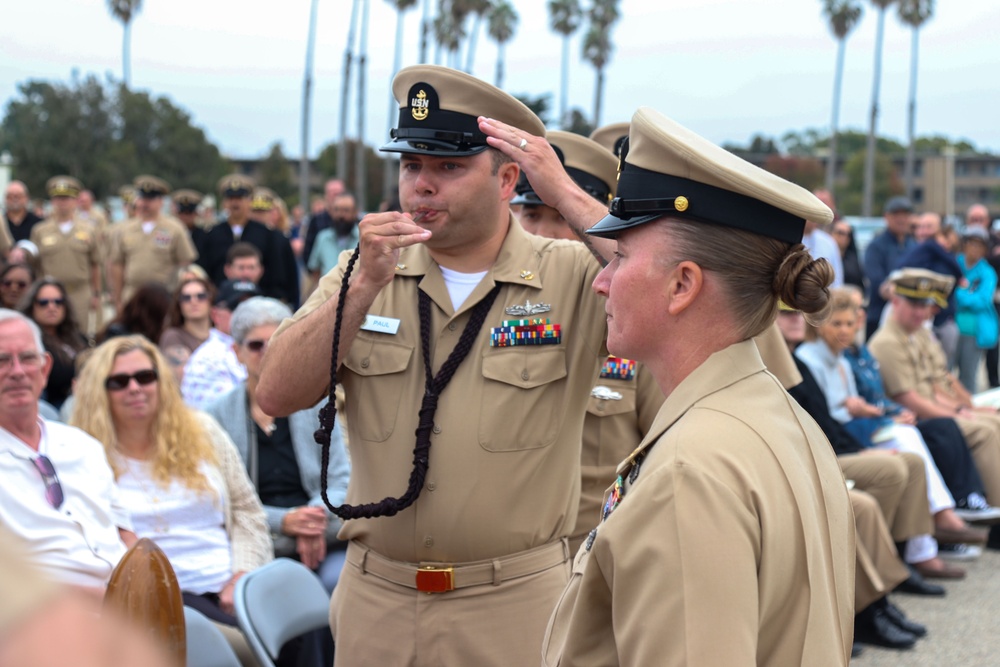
(328, 285)
(184, 251)
(116, 254)
(898, 374)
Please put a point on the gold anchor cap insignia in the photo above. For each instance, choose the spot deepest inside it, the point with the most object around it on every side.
(419, 106)
(681, 203)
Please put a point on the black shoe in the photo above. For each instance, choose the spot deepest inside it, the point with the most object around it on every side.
(899, 619)
(872, 626)
(856, 649)
(994, 539)
(917, 585)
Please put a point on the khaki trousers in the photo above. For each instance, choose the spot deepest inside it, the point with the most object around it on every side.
(982, 435)
(899, 484)
(878, 568)
(376, 623)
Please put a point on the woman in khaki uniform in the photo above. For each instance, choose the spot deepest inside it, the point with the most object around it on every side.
(728, 537)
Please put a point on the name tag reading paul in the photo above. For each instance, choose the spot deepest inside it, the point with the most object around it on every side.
(386, 325)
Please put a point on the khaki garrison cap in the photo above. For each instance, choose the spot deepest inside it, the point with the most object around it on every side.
(150, 186)
(611, 137)
(63, 186)
(439, 108)
(666, 169)
(236, 185)
(589, 164)
(922, 286)
(187, 200)
(263, 199)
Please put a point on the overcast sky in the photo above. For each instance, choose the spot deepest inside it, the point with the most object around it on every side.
(725, 68)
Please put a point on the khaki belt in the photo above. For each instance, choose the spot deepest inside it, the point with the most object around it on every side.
(443, 577)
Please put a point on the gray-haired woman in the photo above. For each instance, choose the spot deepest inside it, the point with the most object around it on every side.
(280, 454)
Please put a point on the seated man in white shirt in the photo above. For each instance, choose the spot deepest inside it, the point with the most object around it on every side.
(58, 493)
(213, 369)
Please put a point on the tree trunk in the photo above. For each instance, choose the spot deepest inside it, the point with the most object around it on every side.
(838, 78)
(126, 55)
(500, 59)
(564, 85)
(911, 117)
(361, 174)
(307, 111)
(470, 55)
(869, 183)
(425, 30)
(387, 172)
(598, 96)
(345, 95)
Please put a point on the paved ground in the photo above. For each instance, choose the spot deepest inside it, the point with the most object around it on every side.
(963, 626)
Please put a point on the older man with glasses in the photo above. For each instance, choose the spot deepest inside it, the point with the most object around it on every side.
(58, 493)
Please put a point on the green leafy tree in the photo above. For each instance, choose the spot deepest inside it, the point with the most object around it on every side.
(886, 183)
(804, 171)
(479, 9)
(326, 165)
(104, 135)
(577, 122)
(125, 11)
(500, 26)
(449, 29)
(540, 105)
(597, 46)
(565, 17)
(843, 16)
(275, 172)
(913, 13)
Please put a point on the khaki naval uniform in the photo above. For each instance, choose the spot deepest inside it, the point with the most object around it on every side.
(504, 478)
(733, 541)
(914, 363)
(71, 258)
(878, 569)
(619, 413)
(151, 257)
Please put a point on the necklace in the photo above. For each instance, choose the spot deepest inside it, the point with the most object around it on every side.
(160, 524)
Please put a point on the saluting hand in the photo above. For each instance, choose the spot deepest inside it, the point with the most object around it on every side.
(383, 235)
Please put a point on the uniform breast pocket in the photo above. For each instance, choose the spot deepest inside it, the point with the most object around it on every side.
(523, 398)
(380, 367)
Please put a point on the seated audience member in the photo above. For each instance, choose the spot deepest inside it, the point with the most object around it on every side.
(824, 355)
(190, 322)
(281, 454)
(190, 272)
(47, 304)
(943, 437)
(25, 252)
(178, 472)
(913, 370)
(14, 281)
(976, 313)
(58, 493)
(843, 234)
(897, 481)
(145, 313)
(213, 369)
(244, 263)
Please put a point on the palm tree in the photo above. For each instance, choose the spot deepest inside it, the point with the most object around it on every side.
(425, 30)
(360, 175)
(125, 11)
(345, 94)
(597, 46)
(449, 31)
(843, 16)
(307, 109)
(501, 24)
(401, 8)
(869, 180)
(564, 17)
(913, 13)
(478, 9)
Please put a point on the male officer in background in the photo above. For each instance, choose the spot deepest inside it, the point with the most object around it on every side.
(468, 573)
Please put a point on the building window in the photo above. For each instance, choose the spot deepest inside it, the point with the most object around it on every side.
(918, 167)
(918, 195)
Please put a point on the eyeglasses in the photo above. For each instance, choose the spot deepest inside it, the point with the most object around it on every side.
(53, 489)
(28, 360)
(200, 296)
(255, 345)
(45, 303)
(121, 381)
(19, 284)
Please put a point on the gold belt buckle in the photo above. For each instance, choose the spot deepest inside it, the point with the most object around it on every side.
(432, 579)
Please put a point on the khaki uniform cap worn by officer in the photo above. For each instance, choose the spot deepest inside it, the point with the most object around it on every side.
(150, 186)
(63, 186)
(611, 137)
(187, 200)
(439, 108)
(589, 164)
(263, 199)
(666, 169)
(236, 185)
(922, 286)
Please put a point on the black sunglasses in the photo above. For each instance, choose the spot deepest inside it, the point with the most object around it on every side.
(53, 489)
(200, 296)
(255, 345)
(20, 284)
(44, 303)
(120, 381)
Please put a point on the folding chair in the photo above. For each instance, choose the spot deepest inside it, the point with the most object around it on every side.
(206, 645)
(278, 602)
